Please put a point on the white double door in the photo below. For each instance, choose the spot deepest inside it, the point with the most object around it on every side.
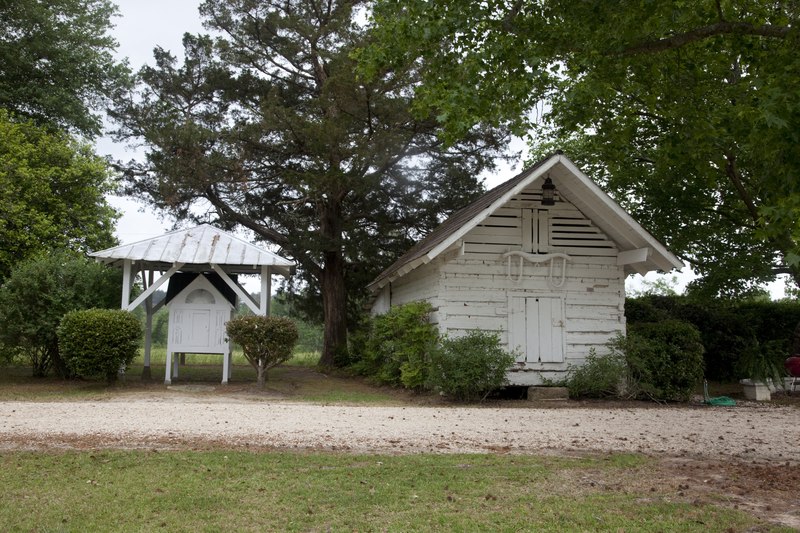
(536, 328)
(199, 330)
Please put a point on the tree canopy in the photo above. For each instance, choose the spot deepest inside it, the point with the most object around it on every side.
(268, 126)
(52, 194)
(688, 113)
(56, 62)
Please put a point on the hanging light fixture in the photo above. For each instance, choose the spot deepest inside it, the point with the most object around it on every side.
(548, 192)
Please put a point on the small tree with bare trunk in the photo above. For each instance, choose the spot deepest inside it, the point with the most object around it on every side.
(266, 341)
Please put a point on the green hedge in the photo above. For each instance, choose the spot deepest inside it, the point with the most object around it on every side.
(398, 345)
(665, 359)
(731, 332)
(99, 342)
(403, 348)
(660, 361)
(468, 368)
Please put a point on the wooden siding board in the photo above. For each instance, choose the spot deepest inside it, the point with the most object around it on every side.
(421, 284)
(500, 268)
(588, 339)
(509, 242)
(491, 232)
(495, 323)
(579, 287)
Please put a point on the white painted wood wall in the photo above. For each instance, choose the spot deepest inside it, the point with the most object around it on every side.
(198, 326)
(470, 288)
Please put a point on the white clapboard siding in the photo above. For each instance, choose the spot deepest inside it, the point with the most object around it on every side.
(588, 288)
(420, 284)
(589, 339)
(477, 309)
(459, 297)
(472, 290)
(499, 267)
(454, 332)
(575, 312)
(598, 325)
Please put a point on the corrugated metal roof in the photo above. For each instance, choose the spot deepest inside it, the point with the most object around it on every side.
(572, 184)
(196, 248)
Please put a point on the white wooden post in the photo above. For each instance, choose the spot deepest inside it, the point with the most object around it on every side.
(227, 358)
(126, 283)
(168, 368)
(266, 290)
(148, 331)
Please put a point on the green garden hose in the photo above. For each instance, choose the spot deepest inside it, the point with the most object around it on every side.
(723, 401)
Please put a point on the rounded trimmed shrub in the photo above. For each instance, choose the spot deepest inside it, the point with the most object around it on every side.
(266, 341)
(99, 342)
(469, 367)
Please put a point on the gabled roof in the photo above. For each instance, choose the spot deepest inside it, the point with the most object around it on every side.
(197, 249)
(181, 280)
(572, 185)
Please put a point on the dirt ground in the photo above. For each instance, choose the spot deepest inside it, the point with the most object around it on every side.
(745, 457)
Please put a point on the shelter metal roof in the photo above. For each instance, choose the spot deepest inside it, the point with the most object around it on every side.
(196, 249)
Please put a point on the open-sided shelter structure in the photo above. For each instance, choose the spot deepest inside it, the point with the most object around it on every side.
(203, 294)
(541, 260)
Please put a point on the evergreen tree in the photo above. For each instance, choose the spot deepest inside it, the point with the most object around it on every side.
(268, 126)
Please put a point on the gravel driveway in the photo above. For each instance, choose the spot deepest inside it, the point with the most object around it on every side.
(746, 432)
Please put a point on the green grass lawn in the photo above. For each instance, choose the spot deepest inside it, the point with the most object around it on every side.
(241, 491)
(295, 380)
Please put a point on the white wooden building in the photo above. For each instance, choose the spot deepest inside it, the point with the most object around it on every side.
(202, 304)
(541, 259)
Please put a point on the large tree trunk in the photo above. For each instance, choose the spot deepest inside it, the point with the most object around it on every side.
(334, 304)
(334, 294)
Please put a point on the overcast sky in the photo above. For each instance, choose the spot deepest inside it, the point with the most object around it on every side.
(141, 26)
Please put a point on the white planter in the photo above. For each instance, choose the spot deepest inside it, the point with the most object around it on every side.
(756, 390)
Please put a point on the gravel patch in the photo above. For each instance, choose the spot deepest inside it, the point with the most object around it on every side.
(749, 433)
